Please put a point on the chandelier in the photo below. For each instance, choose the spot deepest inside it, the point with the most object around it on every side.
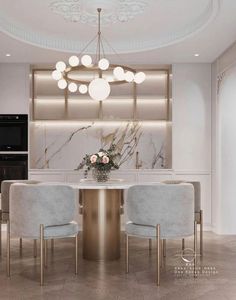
(99, 87)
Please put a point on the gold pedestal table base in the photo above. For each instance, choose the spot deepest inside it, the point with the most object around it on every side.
(101, 210)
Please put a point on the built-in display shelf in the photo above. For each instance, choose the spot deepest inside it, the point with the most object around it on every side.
(147, 101)
(66, 126)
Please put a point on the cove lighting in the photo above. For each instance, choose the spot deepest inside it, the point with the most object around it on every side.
(49, 101)
(97, 123)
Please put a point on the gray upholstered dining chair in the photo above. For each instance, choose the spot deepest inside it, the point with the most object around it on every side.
(160, 212)
(197, 208)
(42, 212)
(4, 212)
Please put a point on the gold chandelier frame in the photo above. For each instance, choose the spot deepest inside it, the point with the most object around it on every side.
(68, 70)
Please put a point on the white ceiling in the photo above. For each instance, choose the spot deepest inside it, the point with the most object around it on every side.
(166, 31)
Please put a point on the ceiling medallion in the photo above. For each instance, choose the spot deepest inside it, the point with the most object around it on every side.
(105, 74)
(113, 10)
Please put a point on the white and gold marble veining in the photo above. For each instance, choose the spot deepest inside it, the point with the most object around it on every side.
(64, 146)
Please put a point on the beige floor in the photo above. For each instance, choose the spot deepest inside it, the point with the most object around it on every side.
(103, 281)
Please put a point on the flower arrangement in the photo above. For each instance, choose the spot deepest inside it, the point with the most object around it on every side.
(102, 162)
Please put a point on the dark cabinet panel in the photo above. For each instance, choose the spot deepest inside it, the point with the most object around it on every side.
(13, 166)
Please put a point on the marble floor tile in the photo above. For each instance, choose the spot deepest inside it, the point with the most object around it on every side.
(105, 281)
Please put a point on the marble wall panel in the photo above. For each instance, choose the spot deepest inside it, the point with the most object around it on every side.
(62, 145)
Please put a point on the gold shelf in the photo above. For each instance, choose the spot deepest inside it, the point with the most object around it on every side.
(99, 111)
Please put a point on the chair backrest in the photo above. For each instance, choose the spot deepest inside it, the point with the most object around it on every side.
(197, 195)
(32, 205)
(5, 189)
(197, 191)
(170, 205)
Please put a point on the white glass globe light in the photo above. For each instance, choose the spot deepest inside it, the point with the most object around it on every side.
(119, 73)
(60, 66)
(86, 60)
(83, 89)
(62, 84)
(72, 87)
(74, 61)
(139, 77)
(99, 89)
(56, 75)
(129, 76)
(110, 79)
(103, 64)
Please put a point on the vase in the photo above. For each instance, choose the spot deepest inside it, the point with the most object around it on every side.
(101, 175)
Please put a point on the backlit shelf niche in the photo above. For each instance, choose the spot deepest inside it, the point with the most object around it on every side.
(139, 116)
(149, 101)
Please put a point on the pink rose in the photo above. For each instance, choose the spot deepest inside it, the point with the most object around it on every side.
(105, 159)
(93, 158)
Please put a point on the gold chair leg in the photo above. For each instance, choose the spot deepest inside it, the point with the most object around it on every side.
(0, 235)
(150, 245)
(164, 248)
(8, 249)
(20, 246)
(52, 245)
(41, 255)
(161, 251)
(183, 244)
(76, 253)
(195, 249)
(158, 240)
(35, 248)
(127, 253)
(45, 253)
(201, 233)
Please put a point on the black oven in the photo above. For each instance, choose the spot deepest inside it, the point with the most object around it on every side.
(13, 166)
(13, 132)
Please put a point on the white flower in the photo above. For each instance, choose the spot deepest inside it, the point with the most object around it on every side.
(100, 154)
(105, 159)
(93, 158)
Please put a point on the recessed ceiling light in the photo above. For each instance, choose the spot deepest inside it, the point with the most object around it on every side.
(8, 54)
(196, 54)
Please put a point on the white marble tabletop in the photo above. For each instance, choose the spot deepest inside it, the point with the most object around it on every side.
(92, 184)
(110, 184)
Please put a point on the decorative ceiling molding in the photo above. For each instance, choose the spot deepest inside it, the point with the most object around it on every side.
(24, 34)
(191, 29)
(84, 11)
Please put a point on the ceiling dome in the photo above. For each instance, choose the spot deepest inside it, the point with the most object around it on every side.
(84, 11)
(134, 26)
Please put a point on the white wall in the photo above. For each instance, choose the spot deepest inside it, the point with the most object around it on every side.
(14, 88)
(191, 132)
(215, 190)
(191, 117)
(227, 155)
(224, 141)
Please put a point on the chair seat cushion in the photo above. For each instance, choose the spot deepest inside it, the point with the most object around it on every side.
(58, 231)
(61, 231)
(140, 230)
(145, 231)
